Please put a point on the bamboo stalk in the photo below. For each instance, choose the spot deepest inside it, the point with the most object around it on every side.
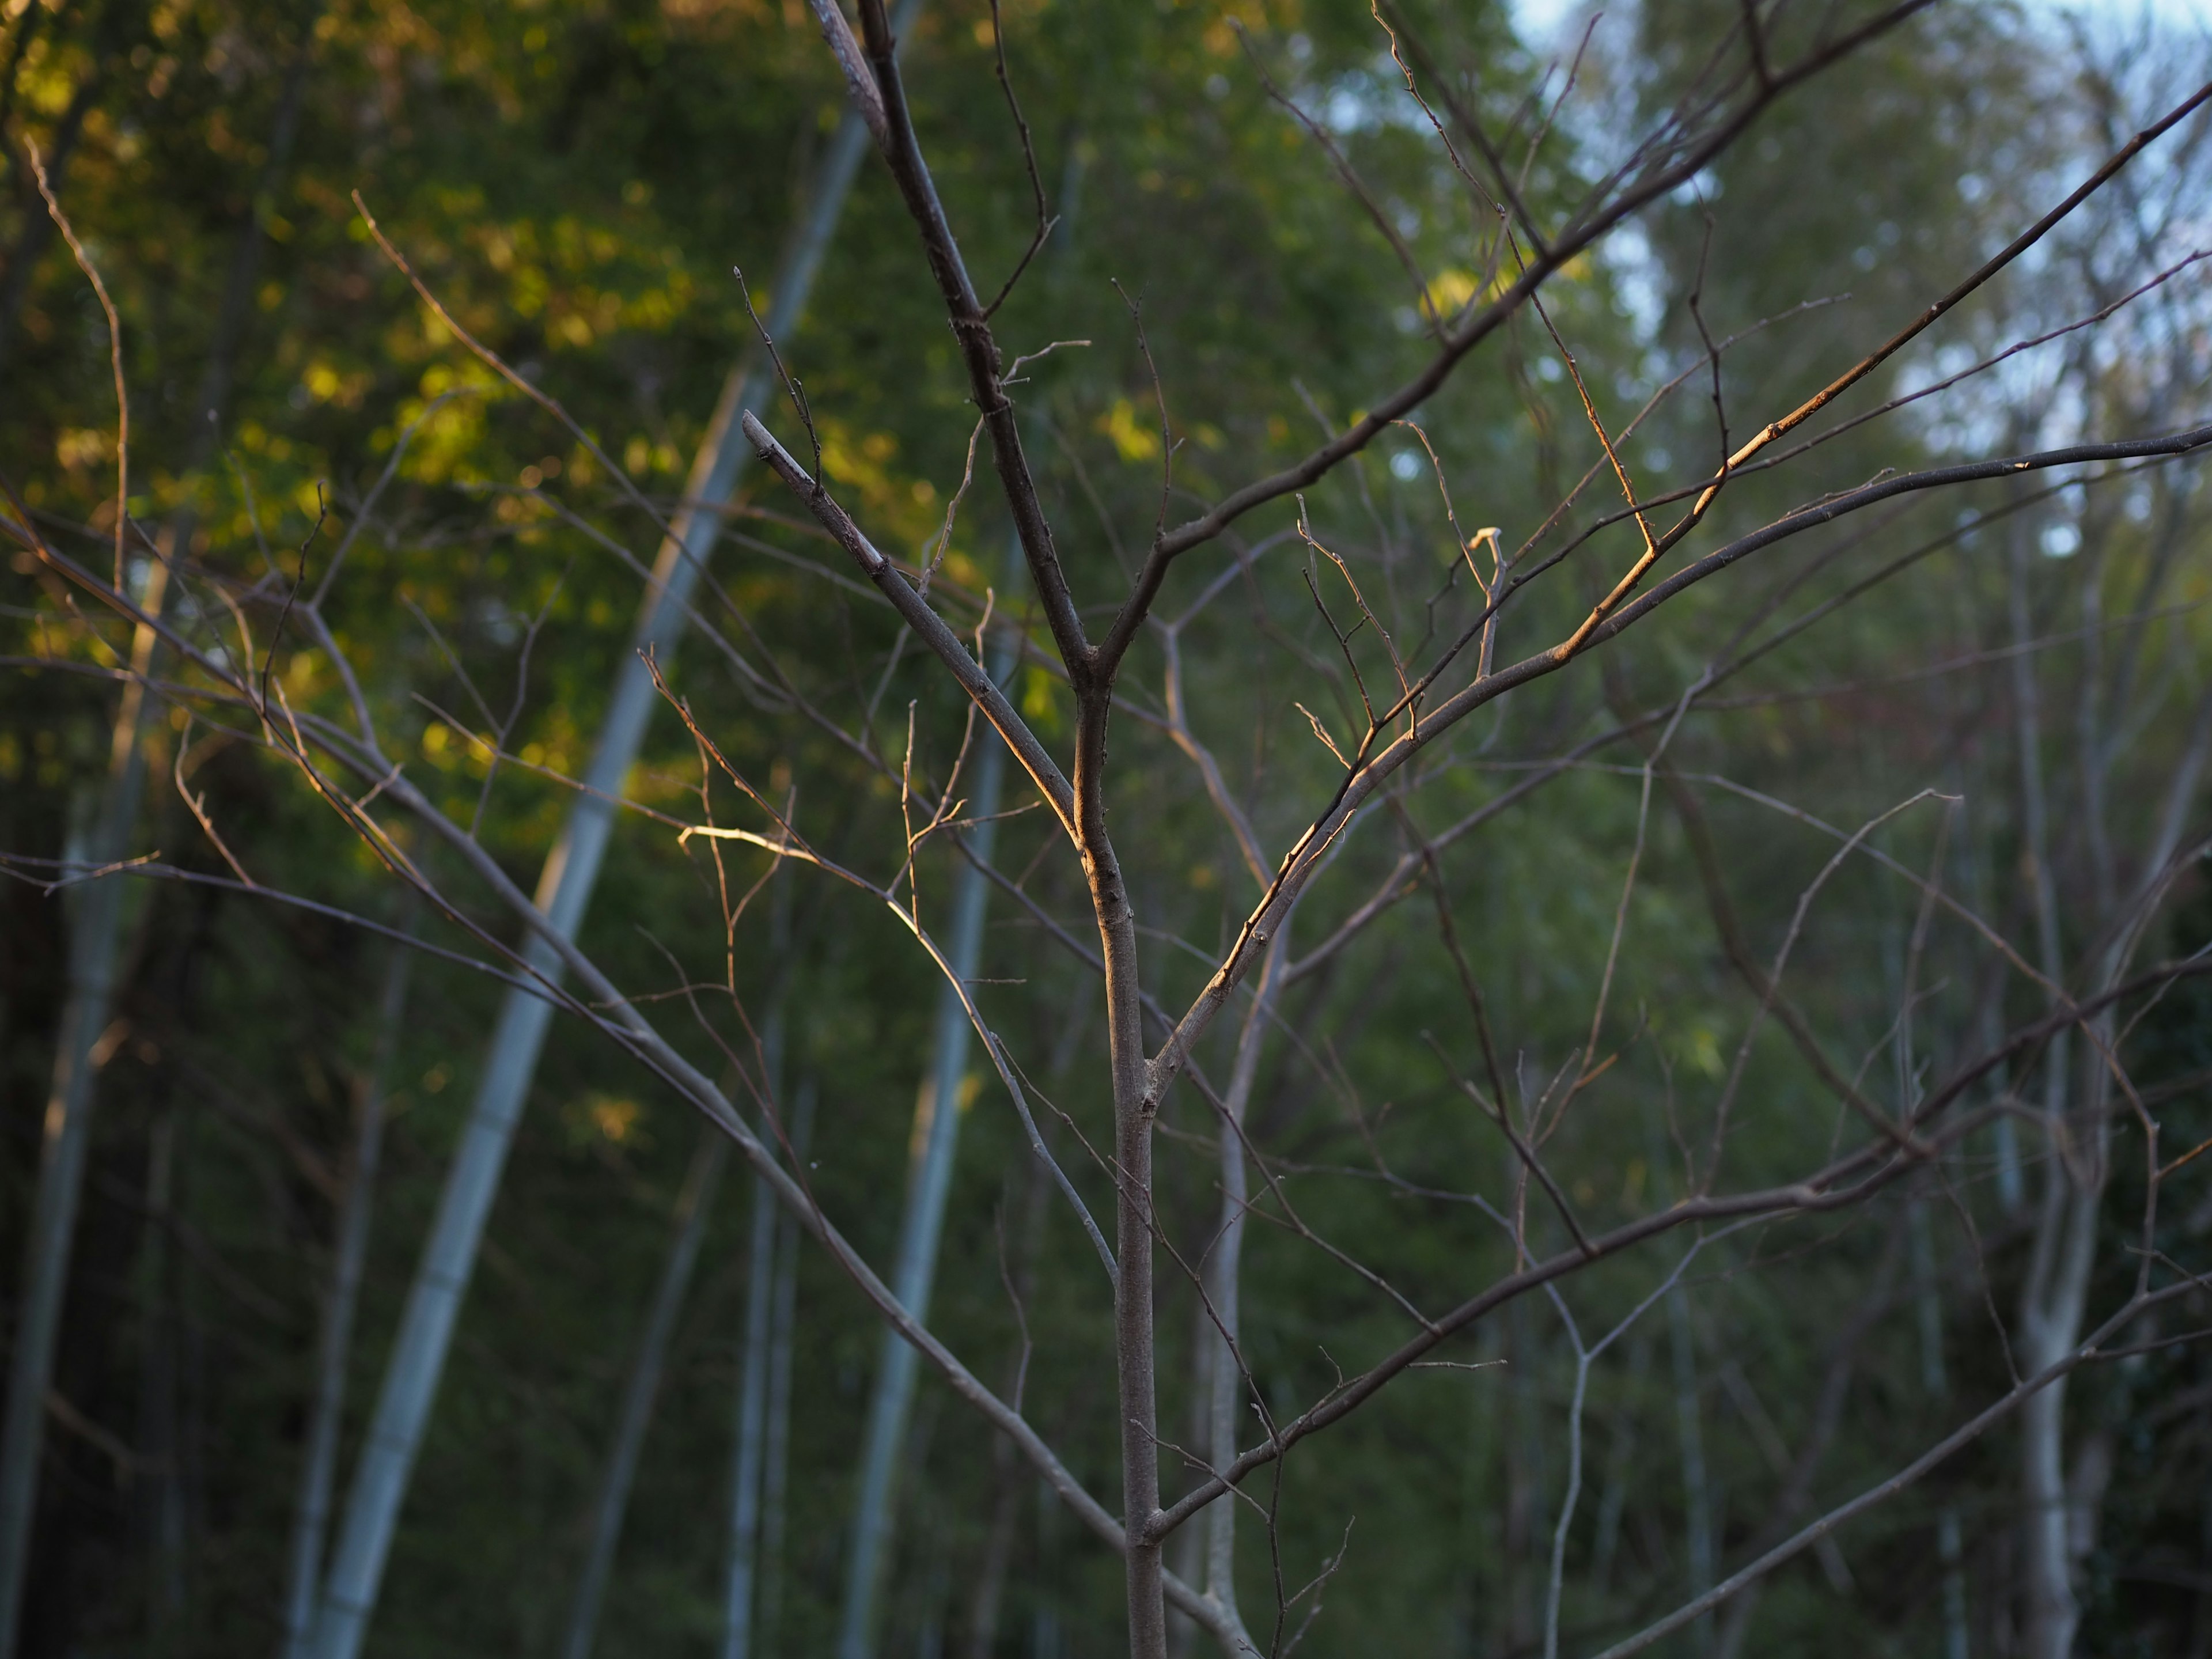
(318, 1469)
(418, 1356)
(782, 1332)
(95, 938)
(921, 1228)
(96, 923)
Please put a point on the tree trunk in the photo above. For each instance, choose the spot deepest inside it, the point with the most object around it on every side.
(564, 889)
(782, 1335)
(1935, 1382)
(2059, 1512)
(97, 916)
(98, 910)
(2058, 1278)
(326, 1417)
(2049, 1324)
(752, 1425)
(748, 1465)
(1226, 1375)
(1697, 1491)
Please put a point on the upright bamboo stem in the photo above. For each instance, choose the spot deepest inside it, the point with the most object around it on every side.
(783, 1321)
(2046, 1568)
(97, 921)
(94, 944)
(752, 1429)
(318, 1468)
(1697, 1491)
(921, 1228)
(1225, 1377)
(1935, 1382)
(741, 1576)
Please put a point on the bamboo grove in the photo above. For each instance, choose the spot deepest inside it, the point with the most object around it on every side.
(1032, 828)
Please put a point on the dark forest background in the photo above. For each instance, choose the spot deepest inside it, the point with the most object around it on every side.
(575, 180)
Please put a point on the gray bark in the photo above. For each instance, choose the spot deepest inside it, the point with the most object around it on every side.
(564, 889)
(1697, 1491)
(752, 1429)
(1935, 1382)
(1226, 1375)
(747, 1471)
(97, 918)
(2057, 1283)
(783, 1321)
(318, 1469)
(922, 1227)
(2058, 1512)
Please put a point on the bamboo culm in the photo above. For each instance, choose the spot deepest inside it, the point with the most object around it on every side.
(783, 1323)
(96, 923)
(319, 1467)
(95, 945)
(564, 889)
(922, 1226)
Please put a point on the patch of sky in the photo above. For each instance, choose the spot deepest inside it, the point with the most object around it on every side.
(1982, 409)
(1542, 22)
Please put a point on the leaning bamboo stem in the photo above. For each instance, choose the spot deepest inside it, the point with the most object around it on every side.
(564, 890)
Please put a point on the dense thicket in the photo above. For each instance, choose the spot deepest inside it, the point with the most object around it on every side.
(574, 180)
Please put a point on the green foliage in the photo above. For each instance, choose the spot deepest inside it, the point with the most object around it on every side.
(574, 180)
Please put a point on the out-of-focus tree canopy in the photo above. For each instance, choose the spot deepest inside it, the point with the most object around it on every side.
(580, 183)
